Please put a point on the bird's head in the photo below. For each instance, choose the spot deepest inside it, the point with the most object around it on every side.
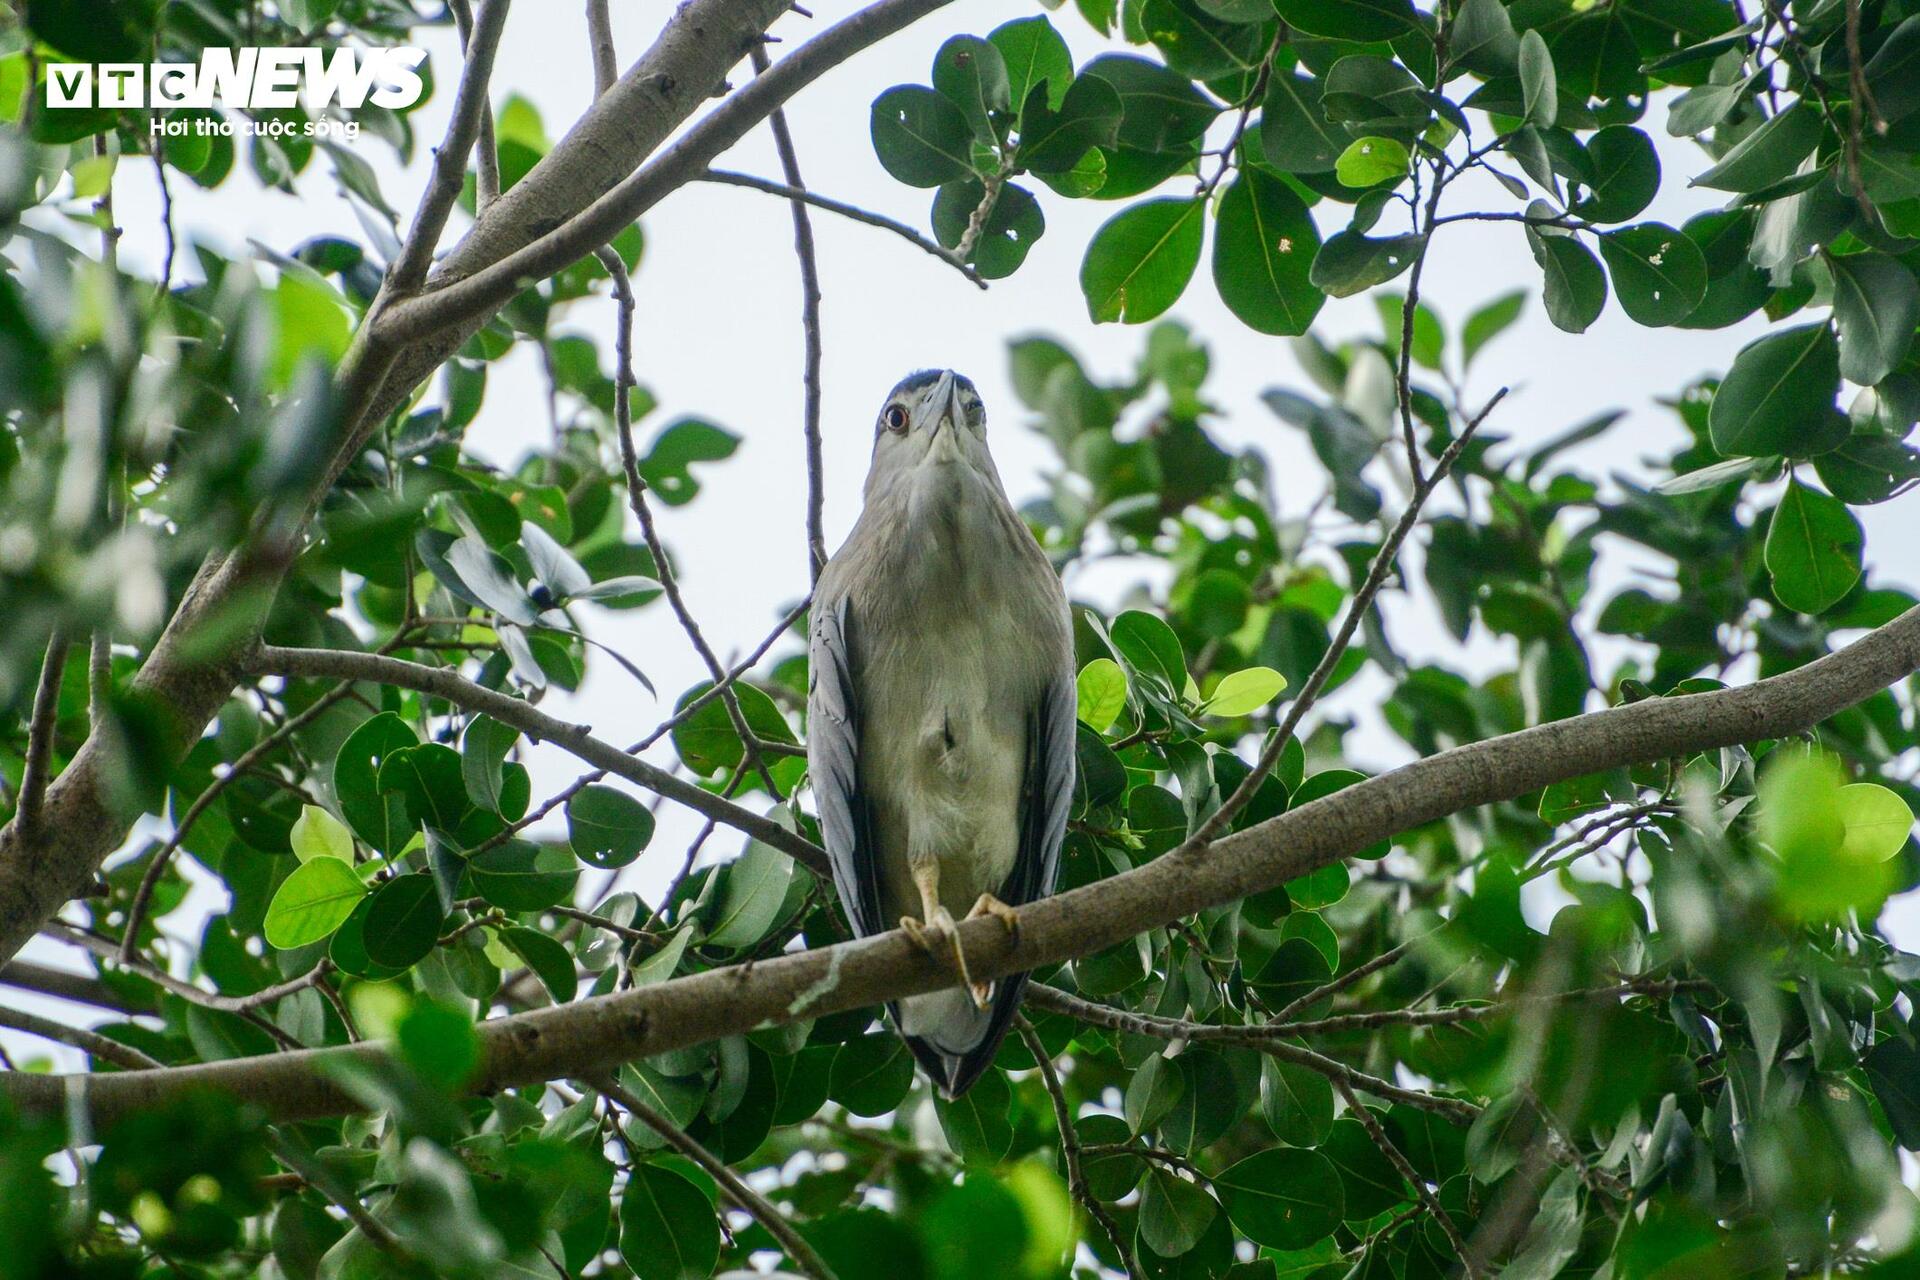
(929, 418)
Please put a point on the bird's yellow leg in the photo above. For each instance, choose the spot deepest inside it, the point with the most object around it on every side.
(935, 931)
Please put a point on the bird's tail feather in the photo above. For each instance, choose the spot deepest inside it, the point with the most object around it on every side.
(954, 1040)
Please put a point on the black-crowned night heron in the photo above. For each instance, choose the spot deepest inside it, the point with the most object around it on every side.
(941, 714)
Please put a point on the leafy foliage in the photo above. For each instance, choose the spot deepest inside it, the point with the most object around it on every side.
(1641, 1023)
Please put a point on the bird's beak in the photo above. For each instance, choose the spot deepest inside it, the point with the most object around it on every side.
(939, 407)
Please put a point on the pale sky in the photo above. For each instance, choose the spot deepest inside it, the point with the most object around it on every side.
(717, 336)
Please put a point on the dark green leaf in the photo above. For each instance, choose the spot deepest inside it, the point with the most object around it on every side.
(1350, 19)
(1768, 154)
(972, 75)
(1263, 249)
(1780, 386)
(403, 921)
(1033, 53)
(379, 819)
(921, 137)
(1625, 175)
(551, 962)
(1876, 304)
(1813, 549)
(1576, 287)
(1350, 263)
(1054, 142)
(1295, 134)
(1139, 263)
(607, 828)
(519, 876)
(667, 1227)
(1285, 1198)
(1658, 274)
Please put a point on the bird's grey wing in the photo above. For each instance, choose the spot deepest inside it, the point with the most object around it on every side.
(1047, 794)
(1045, 798)
(833, 754)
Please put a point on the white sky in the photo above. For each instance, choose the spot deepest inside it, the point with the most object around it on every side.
(717, 336)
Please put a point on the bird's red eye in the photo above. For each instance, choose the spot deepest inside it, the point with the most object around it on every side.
(895, 417)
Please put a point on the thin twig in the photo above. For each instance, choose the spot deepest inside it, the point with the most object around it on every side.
(1406, 1170)
(143, 896)
(1070, 1149)
(40, 730)
(606, 65)
(1327, 990)
(727, 177)
(1357, 608)
(105, 949)
(165, 283)
(623, 383)
(486, 159)
(803, 251)
(90, 1042)
(63, 984)
(798, 1251)
(977, 221)
(450, 161)
(322, 1179)
(1058, 1001)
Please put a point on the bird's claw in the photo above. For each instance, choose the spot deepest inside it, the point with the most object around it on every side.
(939, 938)
(988, 905)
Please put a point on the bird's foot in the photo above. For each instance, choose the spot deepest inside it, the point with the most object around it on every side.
(988, 905)
(939, 938)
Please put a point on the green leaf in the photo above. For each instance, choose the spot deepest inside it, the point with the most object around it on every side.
(1102, 690)
(1893, 1070)
(1878, 822)
(378, 818)
(1295, 134)
(1033, 53)
(1245, 691)
(1285, 1198)
(1779, 388)
(976, 1123)
(606, 827)
(1768, 154)
(752, 892)
(1350, 263)
(1538, 89)
(520, 876)
(668, 1230)
(1174, 1213)
(1481, 39)
(667, 468)
(312, 902)
(921, 137)
(1576, 287)
(1381, 96)
(1489, 322)
(1369, 1183)
(311, 323)
(1263, 249)
(483, 754)
(1624, 175)
(1013, 224)
(318, 834)
(1152, 649)
(707, 741)
(403, 921)
(1813, 549)
(1658, 274)
(972, 75)
(1802, 818)
(1139, 263)
(1371, 160)
(1053, 142)
(430, 780)
(1876, 304)
(551, 962)
(1296, 1102)
(1350, 19)
(871, 1074)
(1160, 108)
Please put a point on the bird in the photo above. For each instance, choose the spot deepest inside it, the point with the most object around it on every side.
(941, 712)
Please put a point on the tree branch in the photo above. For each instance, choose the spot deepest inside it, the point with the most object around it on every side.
(596, 1034)
(727, 177)
(732, 1185)
(459, 301)
(440, 682)
(470, 106)
(90, 1042)
(40, 729)
(1070, 1149)
(486, 155)
(80, 988)
(810, 327)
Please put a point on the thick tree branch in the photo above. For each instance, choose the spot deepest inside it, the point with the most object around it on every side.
(460, 301)
(594, 1035)
(441, 682)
